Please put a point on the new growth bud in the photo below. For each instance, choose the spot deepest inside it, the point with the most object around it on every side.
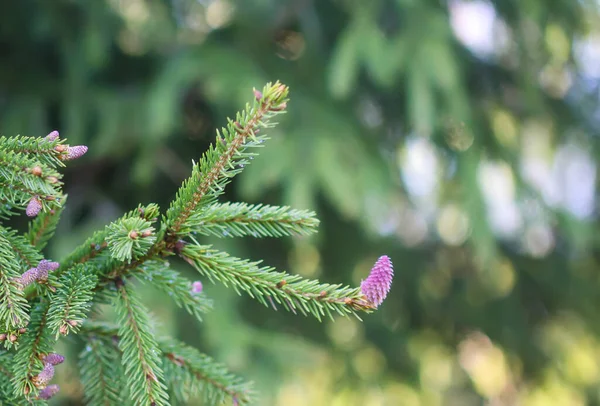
(39, 273)
(34, 207)
(36, 170)
(197, 287)
(377, 285)
(53, 136)
(45, 376)
(75, 152)
(48, 392)
(54, 359)
(44, 267)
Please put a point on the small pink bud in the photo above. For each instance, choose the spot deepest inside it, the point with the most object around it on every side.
(44, 267)
(75, 152)
(48, 392)
(34, 207)
(54, 358)
(378, 283)
(45, 376)
(29, 277)
(53, 136)
(257, 94)
(197, 287)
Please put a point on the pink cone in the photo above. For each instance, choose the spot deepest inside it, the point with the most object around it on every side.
(34, 207)
(75, 152)
(29, 276)
(54, 358)
(378, 283)
(45, 376)
(48, 392)
(53, 136)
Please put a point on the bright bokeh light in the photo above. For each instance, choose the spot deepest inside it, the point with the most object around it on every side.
(419, 165)
(497, 183)
(587, 56)
(477, 26)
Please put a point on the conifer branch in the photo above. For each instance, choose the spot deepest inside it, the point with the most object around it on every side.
(28, 176)
(72, 300)
(96, 272)
(241, 219)
(142, 365)
(179, 289)
(6, 361)
(226, 159)
(13, 306)
(191, 372)
(35, 343)
(26, 255)
(97, 243)
(44, 149)
(130, 238)
(101, 372)
(188, 371)
(264, 284)
(43, 226)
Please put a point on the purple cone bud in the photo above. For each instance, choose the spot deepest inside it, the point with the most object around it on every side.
(46, 265)
(48, 392)
(53, 136)
(196, 287)
(45, 376)
(75, 152)
(34, 207)
(28, 277)
(54, 358)
(377, 285)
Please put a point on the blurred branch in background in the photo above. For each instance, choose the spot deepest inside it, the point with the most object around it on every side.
(459, 137)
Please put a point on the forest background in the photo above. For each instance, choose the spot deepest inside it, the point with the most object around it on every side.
(459, 137)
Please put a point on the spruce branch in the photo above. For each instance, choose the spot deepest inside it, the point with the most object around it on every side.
(43, 226)
(190, 372)
(97, 272)
(100, 371)
(271, 287)
(19, 164)
(13, 306)
(142, 365)
(130, 238)
(179, 289)
(241, 219)
(43, 149)
(34, 345)
(226, 158)
(97, 244)
(72, 301)
(27, 256)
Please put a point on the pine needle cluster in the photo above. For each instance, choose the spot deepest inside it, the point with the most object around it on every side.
(130, 361)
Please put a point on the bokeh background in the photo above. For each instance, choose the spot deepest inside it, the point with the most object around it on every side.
(458, 137)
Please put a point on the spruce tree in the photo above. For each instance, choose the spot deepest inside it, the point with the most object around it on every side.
(131, 360)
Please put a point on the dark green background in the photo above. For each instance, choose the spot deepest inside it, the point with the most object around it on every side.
(385, 102)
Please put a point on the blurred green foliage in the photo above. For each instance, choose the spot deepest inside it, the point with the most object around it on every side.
(458, 137)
